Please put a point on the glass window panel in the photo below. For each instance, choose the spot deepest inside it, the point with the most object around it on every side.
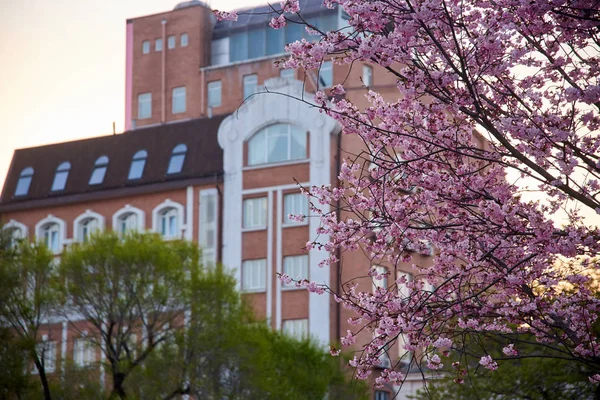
(296, 267)
(277, 147)
(97, 175)
(256, 43)
(314, 21)
(298, 144)
(296, 328)
(295, 204)
(178, 100)
(60, 180)
(176, 164)
(257, 149)
(158, 45)
(293, 32)
(326, 75)
(184, 39)
(23, 185)
(275, 41)
(250, 85)
(238, 46)
(144, 105)
(146, 47)
(254, 273)
(255, 213)
(367, 76)
(137, 169)
(328, 22)
(171, 42)
(214, 94)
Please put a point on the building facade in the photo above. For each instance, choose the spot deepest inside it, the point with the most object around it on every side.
(218, 143)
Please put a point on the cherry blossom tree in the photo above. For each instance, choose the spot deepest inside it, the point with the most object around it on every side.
(493, 133)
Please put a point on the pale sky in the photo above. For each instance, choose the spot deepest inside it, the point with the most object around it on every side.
(62, 69)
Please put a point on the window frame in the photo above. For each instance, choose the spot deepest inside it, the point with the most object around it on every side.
(272, 132)
(184, 39)
(144, 104)
(261, 279)
(85, 355)
(287, 222)
(121, 215)
(171, 42)
(41, 229)
(169, 209)
(100, 168)
(26, 175)
(79, 223)
(305, 264)
(214, 87)
(177, 93)
(263, 213)
(367, 75)
(179, 152)
(140, 157)
(249, 81)
(158, 44)
(288, 328)
(146, 47)
(61, 176)
(325, 68)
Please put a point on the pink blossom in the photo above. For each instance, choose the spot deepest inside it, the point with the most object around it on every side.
(488, 363)
(226, 15)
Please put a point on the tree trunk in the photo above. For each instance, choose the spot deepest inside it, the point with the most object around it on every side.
(43, 378)
(118, 389)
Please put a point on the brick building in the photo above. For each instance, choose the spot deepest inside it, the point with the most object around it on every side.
(216, 143)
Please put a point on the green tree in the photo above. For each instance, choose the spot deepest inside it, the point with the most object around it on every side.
(27, 303)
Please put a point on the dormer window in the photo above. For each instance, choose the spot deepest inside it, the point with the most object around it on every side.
(177, 159)
(99, 171)
(277, 143)
(60, 178)
(24, 182)
(137, 165)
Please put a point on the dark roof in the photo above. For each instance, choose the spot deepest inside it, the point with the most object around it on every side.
(261, 16)
(204, 158)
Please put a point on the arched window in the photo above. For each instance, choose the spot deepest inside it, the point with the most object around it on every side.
(137, 165)
(24, 182)
(177, 159)
(99, 171)
(88, 227)
(277, 143)
(60, 178)
(168, 223)
(86, 224)
(51, 236)
(128, 222)
(128, 219)
(15, 232)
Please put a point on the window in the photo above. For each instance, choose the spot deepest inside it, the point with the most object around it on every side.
(178, 100)
(88, 227)
(47, 352)
(379, 395)
(128, 222)
(60, 178)
(183, 40)
(158, 45)
(296, 267)
(144, 105)
(287, 74)
(83, 352)
(277, 143)
(24, 182)
(50, 235)
(14, 235)
(146, 47)
(137, 165)
(403, 290)
(383, 282)
(297, 328)
(177, 159)
(208, 225)
(99, 171)
(256, 42)
(254, 275)
(238, 46)
(325, 75)
(294, 204)
(367, 76)
(171, 42)
(214, 94)
(168, 223)
(250, 83)
(255, 213)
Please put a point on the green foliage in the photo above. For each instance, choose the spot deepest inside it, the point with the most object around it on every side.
(543, 376)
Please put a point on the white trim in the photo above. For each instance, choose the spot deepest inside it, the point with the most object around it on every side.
(13, 224)
(279, 245)
(255, 229)
(168, 203)
(274, 188)
(189, 213)
(246, 61)
(202, 195)
(87, 214)
(63, 347)
(62, 227)
(141, 217)
(269, 255)
(282, 105)
(277, 164)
